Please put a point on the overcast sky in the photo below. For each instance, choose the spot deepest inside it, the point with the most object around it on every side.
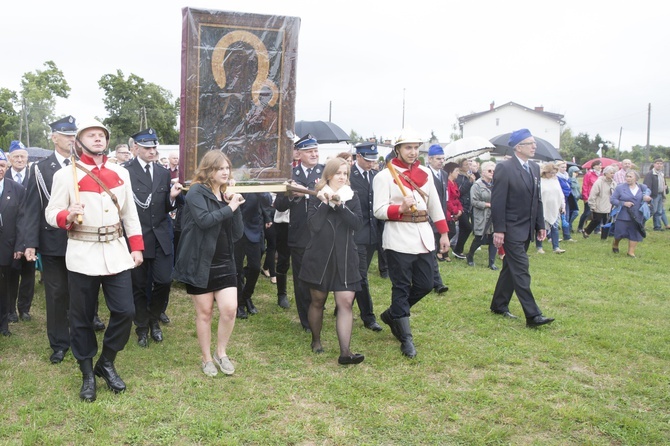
(597, 63)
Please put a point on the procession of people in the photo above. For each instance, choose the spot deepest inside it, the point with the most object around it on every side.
(129, 229)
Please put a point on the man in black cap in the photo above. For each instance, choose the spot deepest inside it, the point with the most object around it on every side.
(306, 176)
(367, 237)
(154, 197)
(50, 242)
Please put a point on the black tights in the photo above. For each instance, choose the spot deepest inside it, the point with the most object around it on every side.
(344, 322)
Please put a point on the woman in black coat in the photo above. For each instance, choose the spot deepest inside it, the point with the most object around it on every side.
(211, 223)
(330, 262)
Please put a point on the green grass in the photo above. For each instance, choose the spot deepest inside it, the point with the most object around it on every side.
(599, 375)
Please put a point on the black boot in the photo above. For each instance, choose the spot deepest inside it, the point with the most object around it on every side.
(251, 308)
(104, 368)
(492, 257)
(156, 332)
(241, 312)
(470, 259)
(386, 318)
(282, 298)
(98, 325)
(87, 391)
(406, 339)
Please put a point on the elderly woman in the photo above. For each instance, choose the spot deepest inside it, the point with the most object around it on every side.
(553, 205)
(629, 196)
(480, 200)
(599, 202)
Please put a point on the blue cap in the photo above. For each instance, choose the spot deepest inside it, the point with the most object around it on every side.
(367, 150)
(16, 145)
(306, 142)
(65, 126)
(517, 136)
(435, 150)
(3, 157)
(146, 138)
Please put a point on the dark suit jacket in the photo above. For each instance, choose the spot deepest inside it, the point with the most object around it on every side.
(155, 221)
(298, 232)
(11, 235)
(368, 234)
(40, 234)
(254, 215)
(25, 175)
(441, 186)
(516, 201)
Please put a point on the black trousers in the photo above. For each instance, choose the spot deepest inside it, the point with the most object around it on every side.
(57, 296)
(363, 297)
(515, 278)
(464, 231)
(118, 291)
(246, 279)
(155, 275)
(302, 296)
(411, 278)
(598, 219)
(270, 263)
(22, 286)
(283, 256)
(5, 272)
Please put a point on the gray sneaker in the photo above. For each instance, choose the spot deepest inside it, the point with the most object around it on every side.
(224, 364)
(209, 369)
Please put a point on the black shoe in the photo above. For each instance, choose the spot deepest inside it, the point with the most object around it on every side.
(105, 370)
(458, 255)
(506, 314)
(406, 339)
(615, 250)
(493, 267)
(282, 301)
(538, 320)
(384, 274)
(241, 312)
(354, 358)
(251, 308)
(87, 391)
(374, 326)
(98, 325)
(386, 318)
(13, 318)
(471, 261)
(164, 318)
(57, 356)
(143, 340)
(6, 333)
(156, 332)
(441, 289)
(25, 317)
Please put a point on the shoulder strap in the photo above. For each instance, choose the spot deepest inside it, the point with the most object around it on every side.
(101, 184)
(413, 184)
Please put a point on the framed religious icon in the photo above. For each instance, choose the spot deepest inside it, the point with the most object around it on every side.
(238, 92)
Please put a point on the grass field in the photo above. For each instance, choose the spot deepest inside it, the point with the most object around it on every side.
(600, 375)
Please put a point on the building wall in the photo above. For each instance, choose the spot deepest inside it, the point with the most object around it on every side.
(508, 119)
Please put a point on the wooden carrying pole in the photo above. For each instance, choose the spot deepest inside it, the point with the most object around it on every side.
(80, 219)
(399, 183)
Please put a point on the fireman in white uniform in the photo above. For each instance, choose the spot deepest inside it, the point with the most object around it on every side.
(97, 253)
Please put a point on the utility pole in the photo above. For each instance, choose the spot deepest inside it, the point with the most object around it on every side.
(618, 147)
(648, 131)
(330, 111)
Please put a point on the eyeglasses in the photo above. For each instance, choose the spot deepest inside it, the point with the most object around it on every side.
(490, 171)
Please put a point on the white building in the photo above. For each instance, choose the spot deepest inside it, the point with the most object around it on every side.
(510, 117)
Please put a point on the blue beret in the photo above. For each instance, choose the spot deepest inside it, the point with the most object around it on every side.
(3, 157)
(306, 142)
(66, 126)
(517, 136)
(146, 138)
(367, 150)
(435, 150)
(16, 145)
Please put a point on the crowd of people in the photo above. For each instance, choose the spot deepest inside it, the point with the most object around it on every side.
(125, 226)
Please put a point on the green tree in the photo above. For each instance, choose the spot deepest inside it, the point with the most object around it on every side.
(134, 104)
(9, 117)
(354, 137)
(39, 91)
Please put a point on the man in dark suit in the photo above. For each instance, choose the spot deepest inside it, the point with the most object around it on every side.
(305, 175)
(22, 277)
(516, 213)
(367, 237)
(435, 164)
(12, 196)
(154, 197)
(51, 242)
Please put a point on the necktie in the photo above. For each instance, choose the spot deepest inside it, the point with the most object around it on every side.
(309, 171)
(66, 162)
(365, 175)
(18, 177)
(525, 167)
(147, 169)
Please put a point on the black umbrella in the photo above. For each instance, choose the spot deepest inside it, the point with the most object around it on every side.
(38, 153)
(324, 131)
(545, 150)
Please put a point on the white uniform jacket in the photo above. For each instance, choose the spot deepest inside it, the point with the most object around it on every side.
(95, 258)
(407, 237)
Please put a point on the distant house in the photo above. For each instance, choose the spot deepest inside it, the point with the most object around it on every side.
(512, 116)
